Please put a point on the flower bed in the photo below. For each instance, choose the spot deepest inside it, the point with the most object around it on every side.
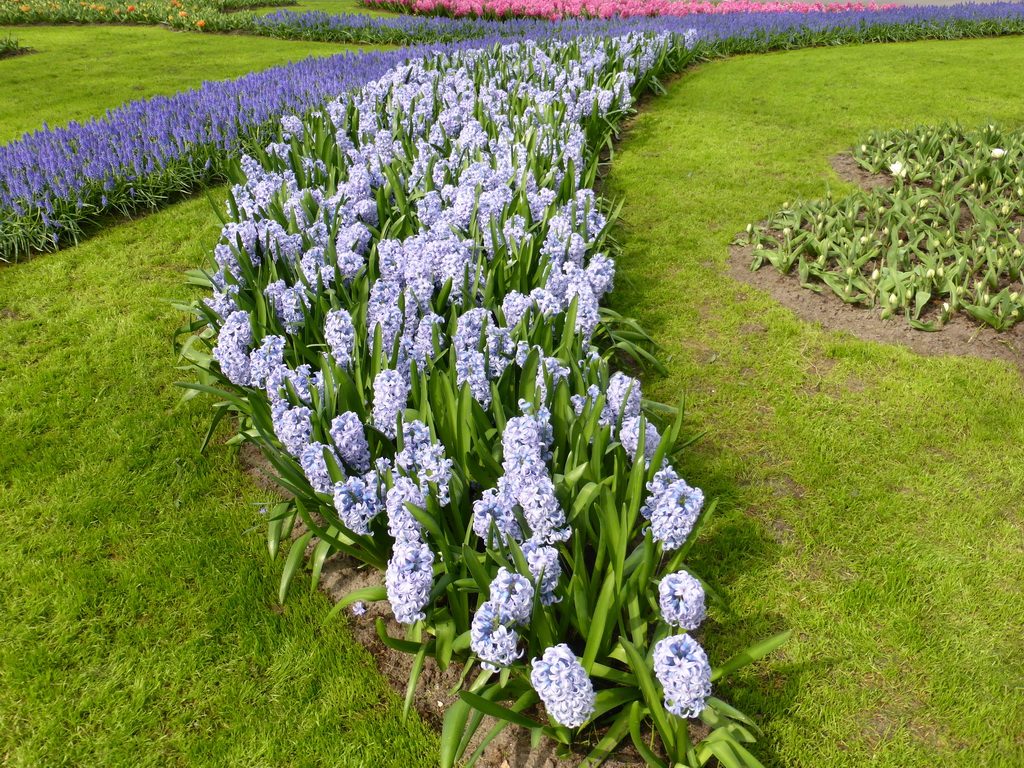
(944, 237)
(556, 10)
(56, 182)
(406, 318)
(181, 14)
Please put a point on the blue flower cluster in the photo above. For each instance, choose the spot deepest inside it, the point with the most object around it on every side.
(672, 507)
(563, 686)
(681, 599)
(493, 636)
(682, 668)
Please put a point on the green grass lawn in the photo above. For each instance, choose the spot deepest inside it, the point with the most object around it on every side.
(140, 625)
(871, 498)
(139, 612)
(80, 72)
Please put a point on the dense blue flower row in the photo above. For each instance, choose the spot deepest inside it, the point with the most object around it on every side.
(54, 178)
(55, 181)
(796, 28)
(433, 221)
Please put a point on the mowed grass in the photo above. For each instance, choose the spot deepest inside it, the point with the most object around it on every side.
(871, 498)
(80, 72)
(139, 624)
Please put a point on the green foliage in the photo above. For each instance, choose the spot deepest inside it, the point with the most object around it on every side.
(9, 46)
(945, 238)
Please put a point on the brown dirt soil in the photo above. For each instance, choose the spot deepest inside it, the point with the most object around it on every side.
(959, 337)
(849, 170)
(16, 52)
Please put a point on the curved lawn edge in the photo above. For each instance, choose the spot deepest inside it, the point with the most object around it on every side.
(871, 491)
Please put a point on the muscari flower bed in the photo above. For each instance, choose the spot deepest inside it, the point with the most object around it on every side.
(405, 317)
(556, 10)
(56, 183)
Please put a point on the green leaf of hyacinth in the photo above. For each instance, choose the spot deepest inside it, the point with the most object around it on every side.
(452, 730)
(750, 655)
(613, 736)
(639, 666)
(414, 678)
(528, 698)
(723, 750)
(405, 646)
(636, 712)
(602, 611)
(320, 554)
(274, 536)
(497, 710)
(730, 711)
(292, 563)
(369, 594)
(445, 633)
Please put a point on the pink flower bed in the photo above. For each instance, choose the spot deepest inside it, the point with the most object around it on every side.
(555, 10)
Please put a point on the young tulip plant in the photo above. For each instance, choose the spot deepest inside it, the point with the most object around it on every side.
(406, 319)
(945, 237)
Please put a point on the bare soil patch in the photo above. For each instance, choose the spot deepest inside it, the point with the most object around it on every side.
(16, 52)
(849, 170)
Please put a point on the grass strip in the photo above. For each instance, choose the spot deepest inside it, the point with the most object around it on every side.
(870, 495)
(130, 635)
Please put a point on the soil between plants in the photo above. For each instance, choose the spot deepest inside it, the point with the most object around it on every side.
(959, 337)
(16, 52)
